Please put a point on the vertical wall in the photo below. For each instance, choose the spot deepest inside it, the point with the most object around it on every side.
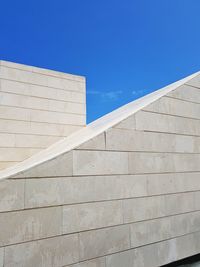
(130, 197)
(37, 108)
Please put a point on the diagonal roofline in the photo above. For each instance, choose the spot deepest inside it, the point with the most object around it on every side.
(91, 130)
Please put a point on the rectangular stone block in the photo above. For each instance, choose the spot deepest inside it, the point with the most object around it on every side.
(6, 164)
(14, 113)
(99, 162)
(180, 182)
(96, 143)
(104, 241)
(143, 233)
(147, 256)
(15, 65)
(186, 162)
(190, 181)
(17, 74)
(71, 85)
(195, 81)
(147, 208)
(11, 195)
(27, 225)
(16, 154)
(7, 140)
(57, 251)
(49, 72)
(167, 105)
(46, 191)
(36, 128)
(197, 200)
(41, 91)
(187, 245)
(60, 166)
(187, 93)
(140, 162)
(128, 123)
(81, 217)
(41, 79)
(172, 183)
(18, 107)
(59, 74)
(131, 140)
(10, 99)
(58, 118)
(139, 209)
(179, 203)
(83, 189)
(157, 254)
(99, 262)
(148, 121)
(1, 257)
(36, 141)
(121, 259)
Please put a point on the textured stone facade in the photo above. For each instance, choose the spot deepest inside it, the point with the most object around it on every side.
(37, 108)
(128, 197)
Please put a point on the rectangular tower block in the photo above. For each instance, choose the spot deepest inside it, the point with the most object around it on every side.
(37, 108)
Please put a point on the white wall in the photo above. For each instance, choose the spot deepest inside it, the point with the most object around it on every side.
(37, 108)
(129, 197)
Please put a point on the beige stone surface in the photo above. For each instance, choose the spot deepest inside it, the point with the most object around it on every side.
(88, 216)
(30, 225)
(167, 183)
(1, 257)
(99, 162)
(57, 252)
(122, 192)
(37, 103)
(131, 140)
(56, 191)
(7, 164)
(143, 233)
(195, 82)
(167, 105)
(162, 162)
(148, 121)
(27, 105)
(104, 241)
(37, 128)
(146, 208)
(60, 166)
(156, 254)
(39, 91)
(128, 123)
(121, 259)
(96, 143)
(186, 93)
(30, 77)
(11, 195)
(17, 154)
(99, 262)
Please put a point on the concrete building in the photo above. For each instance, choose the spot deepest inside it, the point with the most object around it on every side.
(124, 191)
(37, 108)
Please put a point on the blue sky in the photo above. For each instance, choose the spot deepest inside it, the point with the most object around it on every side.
(126, 49)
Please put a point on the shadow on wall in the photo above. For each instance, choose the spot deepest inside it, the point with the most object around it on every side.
(193, 261)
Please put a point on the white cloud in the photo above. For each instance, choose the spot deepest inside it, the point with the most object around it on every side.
(138, 92)
(105, 96)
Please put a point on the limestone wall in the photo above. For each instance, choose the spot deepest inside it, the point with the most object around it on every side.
(37, 108)
(129, 197)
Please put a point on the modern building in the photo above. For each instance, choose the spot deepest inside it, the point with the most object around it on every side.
(123, 191)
